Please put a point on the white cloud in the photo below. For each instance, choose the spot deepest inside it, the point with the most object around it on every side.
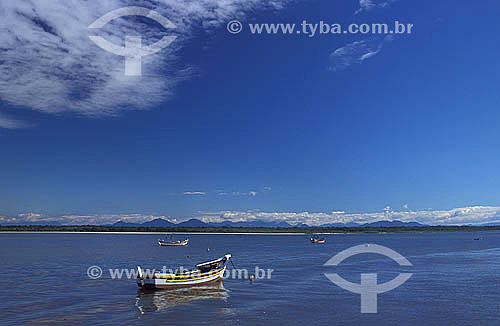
(456, 216)
(31, 217)
(79, 219)
(97, 219)
(244, 193)
(220, 192)
(354, 53)
(4, 219)
(368, 5)
(48, 63)
(357, 52)
(9, 123)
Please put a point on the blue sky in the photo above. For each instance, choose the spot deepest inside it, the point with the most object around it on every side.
(244, 126)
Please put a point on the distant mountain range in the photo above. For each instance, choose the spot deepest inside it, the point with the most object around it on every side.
(159, 222)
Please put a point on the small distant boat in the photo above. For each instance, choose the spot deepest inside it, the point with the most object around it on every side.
(318, 240)
(204, 273)
(165, 243)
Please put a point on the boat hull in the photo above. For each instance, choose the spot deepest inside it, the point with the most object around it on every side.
(157, 286)
(173, 244)
(171, 281)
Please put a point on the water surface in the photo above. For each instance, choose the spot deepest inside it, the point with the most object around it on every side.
(456, 280)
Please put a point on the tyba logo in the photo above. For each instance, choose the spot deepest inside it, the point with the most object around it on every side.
(133, 50)
(368, 287)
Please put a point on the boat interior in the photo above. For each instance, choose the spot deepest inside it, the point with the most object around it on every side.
(201, 268)
(208, 266)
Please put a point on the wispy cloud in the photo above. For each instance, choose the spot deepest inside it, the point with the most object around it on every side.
(221, 192)
(249, 193)
(9, 123)
(368, 5)
(356, 52)
(195, 193)
(48, 63)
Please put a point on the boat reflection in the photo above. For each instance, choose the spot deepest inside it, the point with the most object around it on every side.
(151, 301)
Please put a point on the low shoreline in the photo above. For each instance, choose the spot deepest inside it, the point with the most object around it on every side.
(157, 232)
(91, 229)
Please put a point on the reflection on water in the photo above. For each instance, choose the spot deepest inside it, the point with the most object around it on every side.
(151, 301)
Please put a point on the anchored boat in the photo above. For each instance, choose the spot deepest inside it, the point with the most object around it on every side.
(204, 273)
(316, 239)
(173, 243)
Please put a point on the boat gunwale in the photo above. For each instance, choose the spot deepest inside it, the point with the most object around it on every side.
(220, 271)
(211, 262)
(174, 276)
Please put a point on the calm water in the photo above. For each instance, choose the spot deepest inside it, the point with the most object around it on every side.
(456, 280)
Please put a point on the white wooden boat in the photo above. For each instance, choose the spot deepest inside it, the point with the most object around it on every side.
(165, 243)
(204, 273)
